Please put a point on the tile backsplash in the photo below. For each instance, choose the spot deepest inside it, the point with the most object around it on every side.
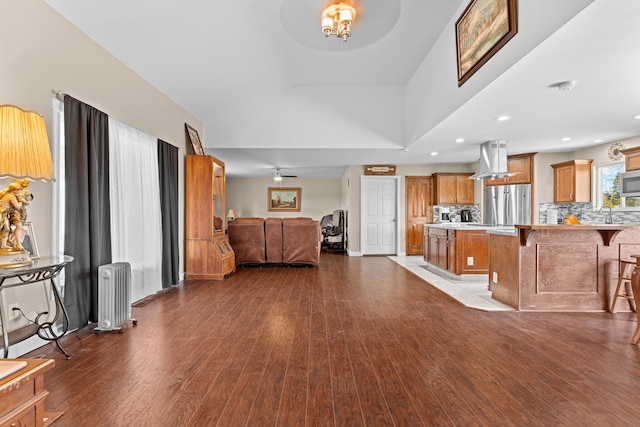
(586, 215)
(453, 211)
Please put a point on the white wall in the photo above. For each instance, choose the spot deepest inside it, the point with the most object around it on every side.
(433, 92)
(373, 117)
(42, 52)
(543, 174)
(248, 196)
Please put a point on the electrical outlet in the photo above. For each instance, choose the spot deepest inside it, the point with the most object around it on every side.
(495, 277)
(14, 314)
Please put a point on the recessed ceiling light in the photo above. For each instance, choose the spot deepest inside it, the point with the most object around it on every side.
(459, 140)
(637, 117)
(502, 118)
(566, 138)
(434, 153)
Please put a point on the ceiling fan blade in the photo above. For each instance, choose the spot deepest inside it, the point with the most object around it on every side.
(289, 176)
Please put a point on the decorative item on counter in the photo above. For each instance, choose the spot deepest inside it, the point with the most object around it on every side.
(570, 219)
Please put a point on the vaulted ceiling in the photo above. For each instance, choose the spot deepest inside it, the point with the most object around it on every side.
(271, 91)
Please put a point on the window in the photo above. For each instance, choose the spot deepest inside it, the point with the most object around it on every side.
(608, 188)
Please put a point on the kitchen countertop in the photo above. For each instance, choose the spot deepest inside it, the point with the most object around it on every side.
(608, 231)
(576, 227)
(491, 229)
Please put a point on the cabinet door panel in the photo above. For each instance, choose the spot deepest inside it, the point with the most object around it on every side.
(447, 190)
(521, 166)
(564, 184)
(419, 211)
(464, 190)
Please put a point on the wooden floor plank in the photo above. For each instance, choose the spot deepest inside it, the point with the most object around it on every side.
(356, 341)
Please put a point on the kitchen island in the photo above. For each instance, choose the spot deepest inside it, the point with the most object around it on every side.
(559, 267)
(455, 248)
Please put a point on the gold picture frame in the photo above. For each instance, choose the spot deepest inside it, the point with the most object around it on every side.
(483, 29)
(283, 199)
(194, 139)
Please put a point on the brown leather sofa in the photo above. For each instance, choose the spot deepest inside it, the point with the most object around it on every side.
(276, 240)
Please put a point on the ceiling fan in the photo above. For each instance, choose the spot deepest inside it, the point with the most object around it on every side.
(277, 175)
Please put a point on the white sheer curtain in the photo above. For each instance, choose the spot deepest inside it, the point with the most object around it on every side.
(135, 206)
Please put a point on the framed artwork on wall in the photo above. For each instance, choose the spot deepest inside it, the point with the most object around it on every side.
(483, 29)
(283, 199)
(194, 139)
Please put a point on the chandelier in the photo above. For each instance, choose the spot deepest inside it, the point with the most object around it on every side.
(336, 20)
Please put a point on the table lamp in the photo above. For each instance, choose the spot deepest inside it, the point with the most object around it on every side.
(231, 214)
(25, 155)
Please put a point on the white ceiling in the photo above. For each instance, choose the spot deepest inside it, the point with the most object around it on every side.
(220, 59)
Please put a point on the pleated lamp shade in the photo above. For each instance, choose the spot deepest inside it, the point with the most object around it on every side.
(24, 145)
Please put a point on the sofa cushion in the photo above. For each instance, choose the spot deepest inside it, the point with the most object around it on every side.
(301, 241)
(273, 238)
(246, 236)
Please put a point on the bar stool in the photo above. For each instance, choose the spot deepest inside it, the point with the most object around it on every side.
(624, 277)
(635, 286)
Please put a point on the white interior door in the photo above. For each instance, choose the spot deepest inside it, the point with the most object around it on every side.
(379, 212)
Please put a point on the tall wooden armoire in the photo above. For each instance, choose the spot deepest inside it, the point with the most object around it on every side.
(208, 252)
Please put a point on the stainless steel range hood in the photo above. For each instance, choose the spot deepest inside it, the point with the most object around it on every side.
(493, 160)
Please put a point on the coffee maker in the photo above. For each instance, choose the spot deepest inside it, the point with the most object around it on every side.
(465, 215)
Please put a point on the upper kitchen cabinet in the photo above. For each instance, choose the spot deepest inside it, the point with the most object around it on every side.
(453, 188)
(572, 181)
(631, 159)
(521, 165)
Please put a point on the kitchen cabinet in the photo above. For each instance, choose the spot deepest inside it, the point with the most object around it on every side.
(472, 252)
(440, 247)
(453, 189)
(631, 159)
(521, 165)
(457, 251)
(572, 181)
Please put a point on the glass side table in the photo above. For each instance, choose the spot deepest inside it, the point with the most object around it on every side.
(42, 269)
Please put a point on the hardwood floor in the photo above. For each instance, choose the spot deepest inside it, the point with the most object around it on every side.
(353, 342)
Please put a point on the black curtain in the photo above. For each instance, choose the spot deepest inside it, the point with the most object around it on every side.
(168, 174)
(87, 218)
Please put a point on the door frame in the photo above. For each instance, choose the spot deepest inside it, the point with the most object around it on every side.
(363, 180)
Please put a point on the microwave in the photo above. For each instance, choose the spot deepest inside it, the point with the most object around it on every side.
(630, 184)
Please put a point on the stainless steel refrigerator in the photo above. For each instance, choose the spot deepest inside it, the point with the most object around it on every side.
(507, 204)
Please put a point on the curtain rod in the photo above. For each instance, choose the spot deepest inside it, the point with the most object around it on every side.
(59, 94)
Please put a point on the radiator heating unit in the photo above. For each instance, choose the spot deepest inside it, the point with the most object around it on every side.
(114, 296)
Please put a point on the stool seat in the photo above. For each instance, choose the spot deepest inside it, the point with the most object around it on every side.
(624, 278)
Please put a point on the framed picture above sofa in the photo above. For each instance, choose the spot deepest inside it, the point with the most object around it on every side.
(283, 199)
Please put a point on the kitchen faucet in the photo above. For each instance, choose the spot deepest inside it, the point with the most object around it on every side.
(609, 218)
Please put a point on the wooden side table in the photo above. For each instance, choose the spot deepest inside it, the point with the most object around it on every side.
(22, 395)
